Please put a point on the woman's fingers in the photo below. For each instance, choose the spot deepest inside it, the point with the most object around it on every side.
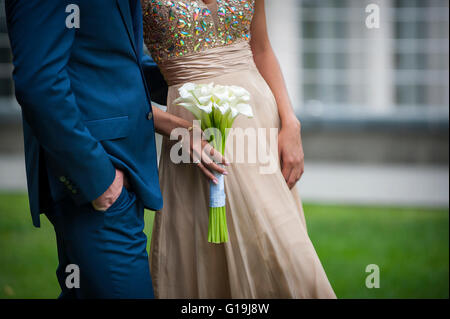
(296, 174)
(208, 159)
(217, 168)
(292, 180)
(214, 154)
(211, 164)
(295, 177)
(292, 170)
(286, 171)
(207, 173)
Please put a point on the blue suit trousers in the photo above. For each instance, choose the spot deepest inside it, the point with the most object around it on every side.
(109, 249)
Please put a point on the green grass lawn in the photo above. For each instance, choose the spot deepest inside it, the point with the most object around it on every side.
(410, 246)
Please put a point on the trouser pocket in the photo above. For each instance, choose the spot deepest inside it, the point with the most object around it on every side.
(120, 201)
(125, 200)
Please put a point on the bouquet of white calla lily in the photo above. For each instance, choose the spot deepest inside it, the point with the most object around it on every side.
(216, 106)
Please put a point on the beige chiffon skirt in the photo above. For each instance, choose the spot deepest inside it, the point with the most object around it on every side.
(269, 253)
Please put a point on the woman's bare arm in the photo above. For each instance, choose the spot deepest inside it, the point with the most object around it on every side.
(289, 140)
(267, 64)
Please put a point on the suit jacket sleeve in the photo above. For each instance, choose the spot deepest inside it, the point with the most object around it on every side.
(41, 45)
(155, 80)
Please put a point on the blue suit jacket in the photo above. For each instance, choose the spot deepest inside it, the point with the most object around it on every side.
(84, 98)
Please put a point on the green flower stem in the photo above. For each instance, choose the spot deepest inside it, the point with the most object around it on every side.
(218, 230)
(217, 227)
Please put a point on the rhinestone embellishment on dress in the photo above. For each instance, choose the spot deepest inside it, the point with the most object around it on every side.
(177, 28)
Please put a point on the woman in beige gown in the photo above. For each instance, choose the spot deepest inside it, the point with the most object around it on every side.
(269, 253)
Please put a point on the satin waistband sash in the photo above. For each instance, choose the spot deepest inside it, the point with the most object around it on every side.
(208, 64)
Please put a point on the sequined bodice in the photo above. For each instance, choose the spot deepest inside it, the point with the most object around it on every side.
(179, 28)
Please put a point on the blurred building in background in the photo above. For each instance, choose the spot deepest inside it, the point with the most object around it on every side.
(374, 102)
(387, 83)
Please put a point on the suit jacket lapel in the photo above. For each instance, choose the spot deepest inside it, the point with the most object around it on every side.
(125, 12)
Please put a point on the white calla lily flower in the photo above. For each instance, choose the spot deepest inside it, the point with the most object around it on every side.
(202, 99)
(216, 106)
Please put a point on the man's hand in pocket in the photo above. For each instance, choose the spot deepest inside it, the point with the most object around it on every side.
(112, 193)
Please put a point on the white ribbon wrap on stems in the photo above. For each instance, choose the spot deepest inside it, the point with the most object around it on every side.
(217, 192)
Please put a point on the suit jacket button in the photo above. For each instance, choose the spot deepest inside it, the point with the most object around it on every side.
(62, 179)
(149, 116)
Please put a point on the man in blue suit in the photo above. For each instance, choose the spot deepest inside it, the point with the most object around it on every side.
(89, 136)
